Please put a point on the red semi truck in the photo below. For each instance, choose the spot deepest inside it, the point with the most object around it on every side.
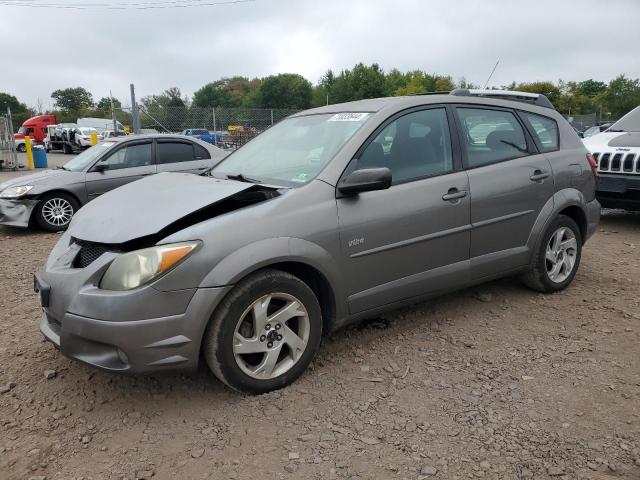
(35, 128)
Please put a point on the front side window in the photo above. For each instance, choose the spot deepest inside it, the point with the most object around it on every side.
(175, 152)
(131, 156)
(491, 136)
(87, 157)
(294, 151)
(413, 146)
(546, 131)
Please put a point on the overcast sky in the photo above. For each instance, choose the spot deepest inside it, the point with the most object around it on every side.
(43, 49)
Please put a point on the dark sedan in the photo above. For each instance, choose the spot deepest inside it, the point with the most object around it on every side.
(50, 198)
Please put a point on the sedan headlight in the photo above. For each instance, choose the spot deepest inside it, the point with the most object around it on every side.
(134, 269)
(15, 192)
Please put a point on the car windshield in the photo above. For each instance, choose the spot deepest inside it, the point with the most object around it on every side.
(294, 151)
(629, 123)
(87, 157)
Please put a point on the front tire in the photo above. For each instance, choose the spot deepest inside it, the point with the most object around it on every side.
(21, 148)
(265, 333)
(55, 211)
(557, 258)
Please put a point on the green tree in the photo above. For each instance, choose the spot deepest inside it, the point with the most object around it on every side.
(591, 88)
(9, 101)
(72, 100)
(621, 96)
(548, 89)
(286, 90)
(19, 111)
(104, 104)
(228, 92)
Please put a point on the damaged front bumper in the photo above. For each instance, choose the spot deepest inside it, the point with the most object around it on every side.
(141, 330)
(16, 212)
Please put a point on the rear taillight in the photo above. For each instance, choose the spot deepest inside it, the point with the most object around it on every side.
(593, 164)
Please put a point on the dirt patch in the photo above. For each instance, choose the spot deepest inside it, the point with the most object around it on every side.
(490, 382)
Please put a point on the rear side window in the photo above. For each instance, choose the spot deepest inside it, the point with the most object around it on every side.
(201, 152)
(545, 131)
(491, 136)
(175, 152)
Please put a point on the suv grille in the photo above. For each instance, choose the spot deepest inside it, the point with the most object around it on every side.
(89, 253)
(616, 162)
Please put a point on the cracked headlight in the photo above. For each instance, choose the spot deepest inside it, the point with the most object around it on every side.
(134, 269)
(15, 192)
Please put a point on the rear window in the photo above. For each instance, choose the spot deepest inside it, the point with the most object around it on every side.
(545, 131)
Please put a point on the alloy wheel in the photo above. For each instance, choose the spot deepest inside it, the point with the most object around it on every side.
(561, 254)
(57, 212)
(271, 336)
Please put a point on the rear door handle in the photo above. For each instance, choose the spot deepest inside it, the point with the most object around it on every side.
(539, 175)
(454, 194)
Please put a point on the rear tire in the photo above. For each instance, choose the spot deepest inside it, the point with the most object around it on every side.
(265, 333)
(55, 211)
(66, 149)
(557, 258)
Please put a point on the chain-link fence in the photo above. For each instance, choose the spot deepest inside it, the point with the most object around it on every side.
(582, 122)
(8, 157)
(229, 127)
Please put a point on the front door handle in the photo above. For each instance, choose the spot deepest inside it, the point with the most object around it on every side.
(454, 194)
(539, 175)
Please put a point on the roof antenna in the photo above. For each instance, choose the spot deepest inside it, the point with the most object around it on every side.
(491, 75)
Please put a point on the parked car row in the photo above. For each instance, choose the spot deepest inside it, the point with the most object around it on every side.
(332, 215)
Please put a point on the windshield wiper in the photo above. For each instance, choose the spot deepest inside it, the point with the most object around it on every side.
(63, 168)
(241, 178)
(616, 131)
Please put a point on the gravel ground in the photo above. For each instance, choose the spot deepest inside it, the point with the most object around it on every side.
(490, 382)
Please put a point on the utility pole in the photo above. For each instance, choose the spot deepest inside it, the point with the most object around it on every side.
(12, 144)
(113, 113)
(134, 110)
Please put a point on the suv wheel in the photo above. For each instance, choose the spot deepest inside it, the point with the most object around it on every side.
(265, 332)
(55, 211)
(556, 262)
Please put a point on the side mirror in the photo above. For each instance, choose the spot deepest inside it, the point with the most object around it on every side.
(366, 180)
(101, 167)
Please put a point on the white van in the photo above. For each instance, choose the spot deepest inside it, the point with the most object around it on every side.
(100, 124)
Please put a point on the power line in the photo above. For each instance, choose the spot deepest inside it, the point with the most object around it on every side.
(128, 6)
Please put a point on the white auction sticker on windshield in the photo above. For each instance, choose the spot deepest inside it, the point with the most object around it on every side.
(348, 117)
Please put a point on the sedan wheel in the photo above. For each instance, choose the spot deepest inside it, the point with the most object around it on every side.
(265, 332)
(54, 212)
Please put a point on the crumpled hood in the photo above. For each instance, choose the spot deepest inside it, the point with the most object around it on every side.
(145, 207)
(34, 178)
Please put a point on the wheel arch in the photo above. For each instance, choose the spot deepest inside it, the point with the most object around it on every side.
(306, 260)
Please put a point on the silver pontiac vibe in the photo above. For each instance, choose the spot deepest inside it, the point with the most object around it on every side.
(332, 215)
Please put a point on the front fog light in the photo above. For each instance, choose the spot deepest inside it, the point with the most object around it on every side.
(134, 269)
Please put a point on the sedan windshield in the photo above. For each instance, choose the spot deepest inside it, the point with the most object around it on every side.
(294, 151)
(87, 157)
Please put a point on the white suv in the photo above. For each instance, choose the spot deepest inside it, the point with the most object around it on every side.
(617, 151)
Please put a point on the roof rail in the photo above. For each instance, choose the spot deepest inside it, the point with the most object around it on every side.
(526, 97)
